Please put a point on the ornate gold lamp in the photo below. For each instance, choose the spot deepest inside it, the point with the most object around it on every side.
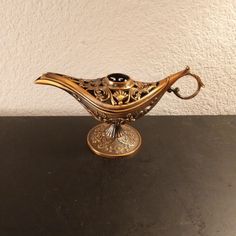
(116, 100)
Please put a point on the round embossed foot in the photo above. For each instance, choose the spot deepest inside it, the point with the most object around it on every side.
(124, 142)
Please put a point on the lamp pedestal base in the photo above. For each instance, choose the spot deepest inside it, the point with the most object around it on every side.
(114, 141)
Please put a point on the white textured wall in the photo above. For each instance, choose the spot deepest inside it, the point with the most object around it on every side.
(146, 39)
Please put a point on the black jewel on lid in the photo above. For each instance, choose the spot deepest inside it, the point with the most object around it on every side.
(117, 77)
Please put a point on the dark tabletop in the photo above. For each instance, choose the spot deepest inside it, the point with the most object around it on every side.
(182, 181)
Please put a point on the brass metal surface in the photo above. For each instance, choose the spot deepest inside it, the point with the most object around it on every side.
(123, 143)
(116, 99)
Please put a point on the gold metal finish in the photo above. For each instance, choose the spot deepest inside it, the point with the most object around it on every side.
(176, 90)
(106, 141)
(116, 100)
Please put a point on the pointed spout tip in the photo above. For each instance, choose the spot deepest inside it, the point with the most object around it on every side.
(38, 80)
(41, 78)
(45, 78)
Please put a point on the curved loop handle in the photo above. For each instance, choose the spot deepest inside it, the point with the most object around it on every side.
(176, 90)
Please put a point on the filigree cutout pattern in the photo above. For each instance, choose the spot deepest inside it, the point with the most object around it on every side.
(99, 89)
